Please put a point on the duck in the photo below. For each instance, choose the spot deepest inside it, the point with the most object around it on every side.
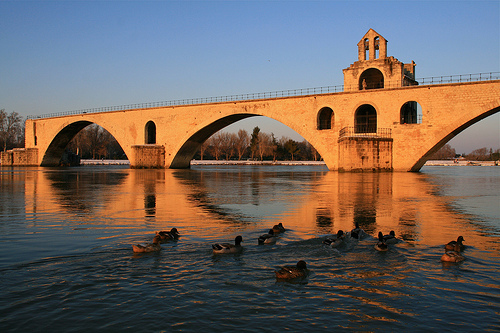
(336, 240)
(357, 232)
(455, 245)
(269, 238)
(381, 245)
(278, 228)
(165, 236)
(298, 271)
(390, 238)
(228, 248)
(452, 256)
(152, 247)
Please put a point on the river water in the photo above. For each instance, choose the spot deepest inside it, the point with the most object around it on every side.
(67, 265)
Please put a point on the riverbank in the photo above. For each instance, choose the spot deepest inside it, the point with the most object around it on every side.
(246, 162)
(460, 163)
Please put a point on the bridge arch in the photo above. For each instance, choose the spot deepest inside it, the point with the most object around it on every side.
(57, 146)
(325, 118)
(189, 148)
(441, 141)
(372, 78)
(365, 119)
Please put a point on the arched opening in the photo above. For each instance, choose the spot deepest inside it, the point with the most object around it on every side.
(84, 139)
(261, 138)
(367, 49)
(411, 113)
(150, 133)
(325, 118)
(371, 79)
(377, 47)
(365, 119)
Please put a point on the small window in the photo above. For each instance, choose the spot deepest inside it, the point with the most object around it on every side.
(325, 118)
(150, 133)
(411, 113)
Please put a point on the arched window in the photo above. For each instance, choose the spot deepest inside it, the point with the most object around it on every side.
(372, 78)
(411, 113)
(325, 118)
(150, 133)
(377, 47)
(365, 119)
(367, 48)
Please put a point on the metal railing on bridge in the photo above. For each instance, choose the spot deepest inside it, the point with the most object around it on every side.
(273, 94)
(364, 131)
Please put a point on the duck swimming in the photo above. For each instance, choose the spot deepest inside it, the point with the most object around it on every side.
(165, 236)
(269, 238)
(278, 228)
(228, 248)
(357, 232)
(452, 256)
(390, 238)
(152, 247)
(293, 272)
(455, 245)
(381, 245)
(336, 240)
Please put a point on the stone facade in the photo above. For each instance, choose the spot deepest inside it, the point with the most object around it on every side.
(178, 131)
(19, 157)
(149, 156)
(359, 154)
(374, 69)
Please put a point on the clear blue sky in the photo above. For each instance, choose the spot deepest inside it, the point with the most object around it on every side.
(69, 55)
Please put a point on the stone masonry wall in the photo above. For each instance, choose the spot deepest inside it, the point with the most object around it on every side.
(149, 156)
(365, 154)
(20, 157)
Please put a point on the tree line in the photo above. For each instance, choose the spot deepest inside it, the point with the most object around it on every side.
(481, 154)
(94, 142)
(256, 146)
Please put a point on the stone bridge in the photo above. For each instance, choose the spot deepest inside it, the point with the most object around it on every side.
(373, 124)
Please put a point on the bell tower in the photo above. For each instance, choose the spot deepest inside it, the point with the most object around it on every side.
(374, 69)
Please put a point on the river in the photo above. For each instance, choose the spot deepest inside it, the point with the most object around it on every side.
(67, 265)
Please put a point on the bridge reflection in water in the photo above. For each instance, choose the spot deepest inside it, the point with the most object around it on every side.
(210, 201)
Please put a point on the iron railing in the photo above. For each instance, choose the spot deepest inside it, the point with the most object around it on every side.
(365, 131)
(273, 94)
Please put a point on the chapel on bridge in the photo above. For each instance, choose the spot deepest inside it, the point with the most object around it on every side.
(374, 69)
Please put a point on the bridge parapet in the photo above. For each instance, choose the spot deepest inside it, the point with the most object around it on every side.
(434, 80)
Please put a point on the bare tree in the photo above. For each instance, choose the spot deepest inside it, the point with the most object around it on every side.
(215, 145)
(95, 142)
(228, 143)
(446, 152)
(266, 145)
(242, 142)
(10, 129)
(481, 154)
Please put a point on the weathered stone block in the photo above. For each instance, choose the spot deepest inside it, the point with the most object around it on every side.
(149, 156)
